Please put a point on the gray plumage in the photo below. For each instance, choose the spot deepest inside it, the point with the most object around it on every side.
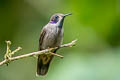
(51, 36)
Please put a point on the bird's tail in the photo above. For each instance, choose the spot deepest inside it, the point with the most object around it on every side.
(43, 64)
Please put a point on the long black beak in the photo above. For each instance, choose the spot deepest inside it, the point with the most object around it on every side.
(68, 14)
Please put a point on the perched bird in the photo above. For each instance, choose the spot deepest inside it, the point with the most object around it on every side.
(51, 36)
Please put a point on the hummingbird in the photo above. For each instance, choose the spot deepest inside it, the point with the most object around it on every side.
(51, 36)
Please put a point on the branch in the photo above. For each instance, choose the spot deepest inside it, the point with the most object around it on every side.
(8, 56)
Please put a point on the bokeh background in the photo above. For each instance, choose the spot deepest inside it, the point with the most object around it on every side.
(95, 23)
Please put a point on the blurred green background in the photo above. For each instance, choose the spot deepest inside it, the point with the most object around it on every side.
(95, 23)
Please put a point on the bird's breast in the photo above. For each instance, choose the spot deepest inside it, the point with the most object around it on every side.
(53, 37)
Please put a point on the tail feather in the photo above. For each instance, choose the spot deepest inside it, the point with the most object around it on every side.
(42, 68)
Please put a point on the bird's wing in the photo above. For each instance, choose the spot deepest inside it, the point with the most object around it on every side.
(42, 35)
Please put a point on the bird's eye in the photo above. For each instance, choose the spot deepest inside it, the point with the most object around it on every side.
(56, 17)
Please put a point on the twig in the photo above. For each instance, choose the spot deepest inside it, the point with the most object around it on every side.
(56, 55)
(8, 56)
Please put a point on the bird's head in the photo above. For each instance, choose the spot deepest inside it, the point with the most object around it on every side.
(58, 18)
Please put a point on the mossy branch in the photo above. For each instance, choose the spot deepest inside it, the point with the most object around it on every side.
(9, 54)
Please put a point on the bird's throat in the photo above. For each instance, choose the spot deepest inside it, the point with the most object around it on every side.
(53, 22)
(59, 23)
